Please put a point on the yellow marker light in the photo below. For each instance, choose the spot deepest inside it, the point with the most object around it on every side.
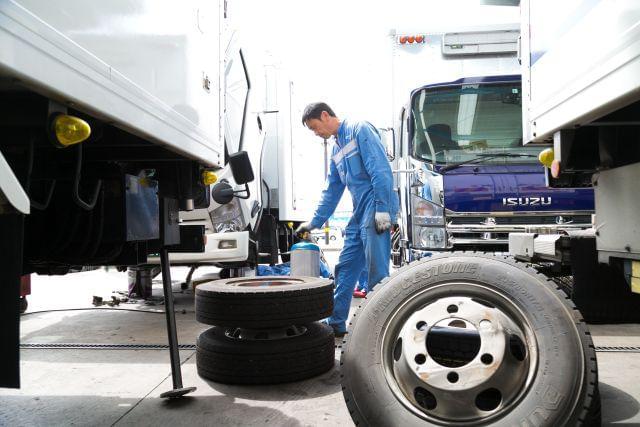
(209, 178)
(70, 130)
(635, 277)
(290, 224)
(546, 157)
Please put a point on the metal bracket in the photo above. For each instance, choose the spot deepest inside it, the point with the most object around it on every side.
(75, 194)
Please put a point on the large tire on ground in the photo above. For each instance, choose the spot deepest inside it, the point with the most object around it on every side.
(264, 302)
(232, 356)
(469, 339)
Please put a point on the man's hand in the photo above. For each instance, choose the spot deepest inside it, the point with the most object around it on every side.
(383, 222)
(303, 228)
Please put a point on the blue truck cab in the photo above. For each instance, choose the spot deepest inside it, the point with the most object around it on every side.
(464, 177)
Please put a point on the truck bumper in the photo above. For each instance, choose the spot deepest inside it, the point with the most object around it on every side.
(545, 247)
(219, 247)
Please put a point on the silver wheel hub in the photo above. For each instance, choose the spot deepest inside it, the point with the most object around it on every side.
(460, 359)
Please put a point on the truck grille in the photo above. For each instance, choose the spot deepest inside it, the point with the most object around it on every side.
(520, 220)
(490, 230)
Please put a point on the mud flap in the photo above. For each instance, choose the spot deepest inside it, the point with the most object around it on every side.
(11, 230)
(600, 291)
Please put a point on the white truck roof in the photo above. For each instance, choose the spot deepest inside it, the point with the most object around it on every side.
(446, 56)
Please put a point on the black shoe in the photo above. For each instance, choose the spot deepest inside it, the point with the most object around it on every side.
(336, 332)
(339, 334)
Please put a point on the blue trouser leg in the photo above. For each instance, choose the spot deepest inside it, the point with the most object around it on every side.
(347, 270)
(363, 280)
(363, 246)
(377, 249)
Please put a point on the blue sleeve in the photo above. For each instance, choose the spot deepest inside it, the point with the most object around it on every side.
(330, 197)
(377, 166)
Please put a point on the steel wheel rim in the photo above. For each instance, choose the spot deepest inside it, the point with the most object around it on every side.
(466, 389)
(272, 334)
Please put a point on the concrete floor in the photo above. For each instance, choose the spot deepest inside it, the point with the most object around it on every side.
(122, 387)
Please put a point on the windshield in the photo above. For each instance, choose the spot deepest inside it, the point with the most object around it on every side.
(457, 123)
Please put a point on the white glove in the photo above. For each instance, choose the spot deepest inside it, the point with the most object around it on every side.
(383, 222)
(305, 227)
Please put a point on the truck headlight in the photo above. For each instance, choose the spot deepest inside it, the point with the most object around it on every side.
(427, 221)
(227, 217)
(430, 237)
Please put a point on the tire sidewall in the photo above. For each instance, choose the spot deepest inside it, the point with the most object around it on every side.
(559, 379)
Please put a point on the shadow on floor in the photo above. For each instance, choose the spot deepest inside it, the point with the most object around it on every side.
(105, 411)
(617, 405)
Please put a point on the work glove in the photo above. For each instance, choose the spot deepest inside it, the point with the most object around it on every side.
(383, 222)
(304, 228)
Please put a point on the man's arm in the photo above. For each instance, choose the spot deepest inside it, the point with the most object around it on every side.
(330, 197)
(377, 166)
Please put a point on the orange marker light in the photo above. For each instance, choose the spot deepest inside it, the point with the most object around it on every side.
(411, 39)
(403, 39)
(419, 38)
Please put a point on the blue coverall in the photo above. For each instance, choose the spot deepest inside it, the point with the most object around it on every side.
(360, 164)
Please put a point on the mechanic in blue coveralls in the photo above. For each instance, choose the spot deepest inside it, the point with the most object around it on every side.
(358, 163)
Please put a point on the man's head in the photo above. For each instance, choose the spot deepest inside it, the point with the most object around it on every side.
(321, 119)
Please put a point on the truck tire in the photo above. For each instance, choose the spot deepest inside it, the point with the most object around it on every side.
(225, 357)
(469, 338)
(264, 302)
(24, 304)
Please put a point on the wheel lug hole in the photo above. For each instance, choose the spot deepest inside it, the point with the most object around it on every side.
(452, 377)
(421, 326)
(420, 359)
(452, 308)
(486, 358)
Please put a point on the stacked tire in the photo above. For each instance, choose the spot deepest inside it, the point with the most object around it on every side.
(265, 330)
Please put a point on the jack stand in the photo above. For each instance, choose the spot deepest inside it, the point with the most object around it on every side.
(176, 373)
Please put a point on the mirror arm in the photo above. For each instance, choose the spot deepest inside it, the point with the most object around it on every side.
(246, 191)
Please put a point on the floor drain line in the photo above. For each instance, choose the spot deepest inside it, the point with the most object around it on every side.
(83, 346)
(618, 349)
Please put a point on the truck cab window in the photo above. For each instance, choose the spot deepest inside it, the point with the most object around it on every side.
(455, 123)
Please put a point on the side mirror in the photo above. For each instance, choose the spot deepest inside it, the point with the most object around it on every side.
(222, 192)
(241, 167)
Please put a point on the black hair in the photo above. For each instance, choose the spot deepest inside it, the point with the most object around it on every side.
(314, 110)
